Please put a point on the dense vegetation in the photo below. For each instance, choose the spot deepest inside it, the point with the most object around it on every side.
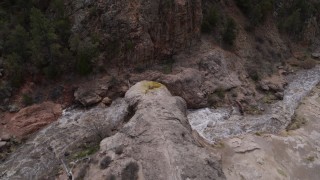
(291, 16)
(256, 10)
(294, 16)
(210, 20)
(229, 34)
(35, 39)
(213, 19)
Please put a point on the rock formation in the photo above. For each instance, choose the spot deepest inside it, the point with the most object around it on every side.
(289, 155)
(139, 31)
(155, 143)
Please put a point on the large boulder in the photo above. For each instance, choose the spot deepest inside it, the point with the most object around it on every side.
(33, 118)
(316, 55)
(92, 92)
(202, 74)
(87, 97)
(186, 84)
(274, 83)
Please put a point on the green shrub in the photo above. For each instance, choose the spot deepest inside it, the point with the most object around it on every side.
(14, 68)
(292, 24)
(93, 11)
(229, 34)
(51, 71)
(254, 75)
(105, 162)
(168, 3)
(27, 100)
(220, 93)
(256, 10)
(114, 81)
(296, 122)
(167, 65)
(85, 51)
(119, 149)
(129, 45)
(210, 20)
(111, 177)
(140, 68)
(292, 16)
(113, 49)
(87, 151)
(130, 172)
(83, 66)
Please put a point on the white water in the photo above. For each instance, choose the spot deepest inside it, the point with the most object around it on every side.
(216, 124)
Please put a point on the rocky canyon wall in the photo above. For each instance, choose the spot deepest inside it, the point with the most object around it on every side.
(138, 31)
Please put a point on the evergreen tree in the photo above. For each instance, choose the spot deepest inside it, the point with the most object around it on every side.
(229, 34)
(17, 42)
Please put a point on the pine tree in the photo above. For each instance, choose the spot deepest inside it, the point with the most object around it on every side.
(42, 38)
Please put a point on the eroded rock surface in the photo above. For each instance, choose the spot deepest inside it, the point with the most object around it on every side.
(40, 157)
(291, 155)
(156, 143)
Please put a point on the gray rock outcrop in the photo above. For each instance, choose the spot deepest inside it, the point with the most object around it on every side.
(157, 140)
(155, 143)
(289, 155)
(40, 157)
(87, 97)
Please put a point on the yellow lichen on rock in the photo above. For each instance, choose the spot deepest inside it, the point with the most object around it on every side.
(151, 85)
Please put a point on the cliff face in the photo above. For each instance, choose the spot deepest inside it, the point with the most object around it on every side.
(140, 30)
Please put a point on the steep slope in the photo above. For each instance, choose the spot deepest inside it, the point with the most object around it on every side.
(138, 31)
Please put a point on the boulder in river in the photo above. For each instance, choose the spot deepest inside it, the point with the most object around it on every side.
(87, 97)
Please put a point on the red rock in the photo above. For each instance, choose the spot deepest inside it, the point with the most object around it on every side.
(33, 118)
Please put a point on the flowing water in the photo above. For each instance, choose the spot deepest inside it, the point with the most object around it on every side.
(216, 124)
(42, 154)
